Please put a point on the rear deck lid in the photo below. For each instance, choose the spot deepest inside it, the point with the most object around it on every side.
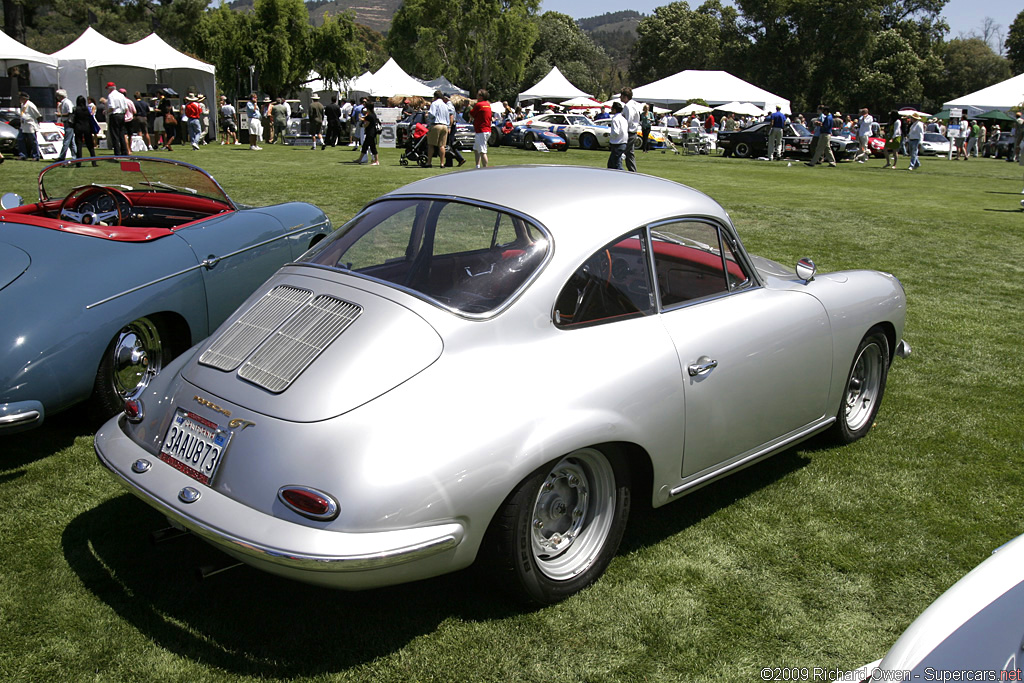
(306, 349)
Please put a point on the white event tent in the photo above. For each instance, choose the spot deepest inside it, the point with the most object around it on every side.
(389, 81)
(554, 86)
(87, 64)
(1005, 95)
(12, 53)
(714, 87)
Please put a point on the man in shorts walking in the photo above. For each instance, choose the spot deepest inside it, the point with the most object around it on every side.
(437, 135)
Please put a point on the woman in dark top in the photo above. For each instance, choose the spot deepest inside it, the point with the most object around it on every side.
(170, 123)
(370, 139)
(81, 123)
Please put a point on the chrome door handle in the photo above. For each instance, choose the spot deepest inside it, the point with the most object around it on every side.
(702, 368)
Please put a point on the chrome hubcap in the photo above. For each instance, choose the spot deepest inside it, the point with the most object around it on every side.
(138, 357)
(862, 389)
(572, 514)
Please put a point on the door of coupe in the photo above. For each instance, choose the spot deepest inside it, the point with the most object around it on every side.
(242, 249)
(756, 363)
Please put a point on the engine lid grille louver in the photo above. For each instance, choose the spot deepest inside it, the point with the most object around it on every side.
(293, 347)
(229, 350)
(281, 335)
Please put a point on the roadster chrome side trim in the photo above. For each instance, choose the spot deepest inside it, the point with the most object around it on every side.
(764, 452)
(207, 264)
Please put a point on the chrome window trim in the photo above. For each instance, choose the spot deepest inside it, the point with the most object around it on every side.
(337, 234)
(737, 249)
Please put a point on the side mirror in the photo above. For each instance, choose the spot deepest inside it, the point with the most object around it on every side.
(805, 269)
(10, 200)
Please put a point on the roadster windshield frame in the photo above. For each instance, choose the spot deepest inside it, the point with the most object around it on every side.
(130, 174)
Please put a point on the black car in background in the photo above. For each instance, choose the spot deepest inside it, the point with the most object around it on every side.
(797, 141)
(998, 146)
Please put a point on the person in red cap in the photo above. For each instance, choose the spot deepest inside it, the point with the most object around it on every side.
(117, 105)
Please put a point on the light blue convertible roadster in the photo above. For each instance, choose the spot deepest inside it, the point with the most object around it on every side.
(123, 263)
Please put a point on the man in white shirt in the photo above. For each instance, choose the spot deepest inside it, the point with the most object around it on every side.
(64, 108)
(631, 112)
(346, 122)
(437, 134)
(28, 145)
(117, 105)
(619, 136)
(863, 132)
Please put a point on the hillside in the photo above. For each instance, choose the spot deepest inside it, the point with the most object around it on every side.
(375, 14)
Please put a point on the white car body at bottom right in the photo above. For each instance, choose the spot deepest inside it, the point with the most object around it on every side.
(973, 632)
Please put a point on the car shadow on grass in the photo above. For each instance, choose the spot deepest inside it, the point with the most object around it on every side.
(249, 622)
(54, 435)
(649, 526)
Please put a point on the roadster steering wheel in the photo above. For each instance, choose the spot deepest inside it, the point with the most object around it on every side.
(94, 204)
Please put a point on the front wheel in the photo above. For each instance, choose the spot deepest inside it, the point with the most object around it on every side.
(588, 141)
(559, 529)
(864, 388)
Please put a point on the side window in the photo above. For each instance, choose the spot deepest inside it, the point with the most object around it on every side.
(692, 261)
(613, 284)
(462, 228)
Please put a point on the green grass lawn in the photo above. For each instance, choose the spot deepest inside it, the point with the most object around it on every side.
(818, 557)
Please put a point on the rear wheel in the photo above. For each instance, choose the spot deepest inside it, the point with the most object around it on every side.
(864, 388)
(133, 358)
(559, 529)
(588, 141)
(742, 150)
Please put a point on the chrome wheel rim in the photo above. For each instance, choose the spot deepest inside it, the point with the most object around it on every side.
(572, 514)
(862, 389)
(138, 357)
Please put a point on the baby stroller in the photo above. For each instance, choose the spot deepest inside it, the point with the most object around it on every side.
(416, 147)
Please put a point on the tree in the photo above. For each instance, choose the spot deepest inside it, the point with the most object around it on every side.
(284, 33)
(337, 51)
(969, 65)
(562, 43)
(1014, 44)
(675, 38)
(475, 43)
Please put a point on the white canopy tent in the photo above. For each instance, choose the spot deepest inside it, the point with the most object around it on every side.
(582, 103)
(693, 109)
(87, 64)
(1005, 95)
(12, 53)
(554, 86)
(389, 81)
(714, 87)
(743, 108)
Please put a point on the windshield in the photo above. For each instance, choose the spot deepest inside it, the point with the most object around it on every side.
(130, 175)
(801, 130)
(467, 258)
(579, 120)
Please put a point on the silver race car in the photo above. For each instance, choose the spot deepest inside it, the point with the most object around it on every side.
(466, 370)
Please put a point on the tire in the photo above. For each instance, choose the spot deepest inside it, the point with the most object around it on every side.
(865, 387)
(588, 141)
(423, 160)
(742, 150)
(403, 161)
(527, 140)
(557, 532)
(133, 358)
(986, 153)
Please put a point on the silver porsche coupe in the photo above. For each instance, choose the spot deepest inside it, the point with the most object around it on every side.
(468, 371)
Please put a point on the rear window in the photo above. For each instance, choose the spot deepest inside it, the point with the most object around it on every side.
(470, 259)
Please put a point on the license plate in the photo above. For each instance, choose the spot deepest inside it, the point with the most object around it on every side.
(194, 445)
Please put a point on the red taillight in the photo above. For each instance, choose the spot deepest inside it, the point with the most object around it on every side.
(309, 502)
(133, 410)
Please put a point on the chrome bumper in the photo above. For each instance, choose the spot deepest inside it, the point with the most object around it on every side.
(21, 415)
(304, 548)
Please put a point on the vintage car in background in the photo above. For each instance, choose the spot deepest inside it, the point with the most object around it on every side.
(467, 369)
(8, 138)
(123, 263)
(876, 144)
(576, 129)
(797, 142)
(523, 138)
(998, 146)
(934, 144)
(972, 632)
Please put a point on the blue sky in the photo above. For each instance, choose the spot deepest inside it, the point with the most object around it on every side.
(963, 16)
